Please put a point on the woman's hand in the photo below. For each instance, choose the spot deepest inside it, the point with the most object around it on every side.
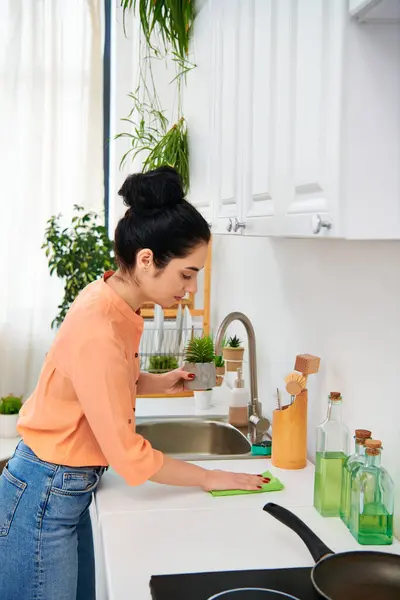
(174, 381)
(224, 480)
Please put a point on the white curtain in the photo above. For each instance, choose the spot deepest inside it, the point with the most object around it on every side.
(51, 144)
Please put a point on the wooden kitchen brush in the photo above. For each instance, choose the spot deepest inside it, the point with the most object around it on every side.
(295, 383)
(307, 364)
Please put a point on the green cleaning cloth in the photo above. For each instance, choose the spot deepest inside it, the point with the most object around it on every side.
(275, 485)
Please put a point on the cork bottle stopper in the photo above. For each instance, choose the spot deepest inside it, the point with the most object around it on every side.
(373, 443)
(373, 447)
(362, 434)
(335, 396)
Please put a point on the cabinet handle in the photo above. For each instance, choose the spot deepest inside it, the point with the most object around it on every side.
(319, 223)
(229, 226)
(239, 225)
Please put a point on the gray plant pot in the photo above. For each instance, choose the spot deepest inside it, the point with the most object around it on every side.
(206, 376)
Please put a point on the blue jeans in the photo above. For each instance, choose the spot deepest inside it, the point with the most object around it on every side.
(46, 541)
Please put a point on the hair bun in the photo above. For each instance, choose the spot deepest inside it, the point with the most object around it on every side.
(153, 191)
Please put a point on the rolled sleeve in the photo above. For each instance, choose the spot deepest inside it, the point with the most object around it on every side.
(103, 383)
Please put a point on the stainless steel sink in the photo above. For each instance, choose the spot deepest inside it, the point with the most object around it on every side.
(192, 439)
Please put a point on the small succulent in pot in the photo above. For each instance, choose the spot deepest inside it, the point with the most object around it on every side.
(9, 413)
(220, 368)
(199, 360)
(233, 353)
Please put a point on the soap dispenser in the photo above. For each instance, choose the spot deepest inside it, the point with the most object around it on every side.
(238, 402)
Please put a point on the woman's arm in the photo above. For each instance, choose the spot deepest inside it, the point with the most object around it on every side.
(150, 383)
(179, 473)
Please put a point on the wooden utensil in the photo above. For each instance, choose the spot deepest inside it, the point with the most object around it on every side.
(295, 383)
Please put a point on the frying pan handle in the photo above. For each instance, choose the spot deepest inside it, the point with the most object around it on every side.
(316, 546)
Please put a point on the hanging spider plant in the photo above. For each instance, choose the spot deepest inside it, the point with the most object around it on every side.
(173, 150)
(164, 145)
(172, 19)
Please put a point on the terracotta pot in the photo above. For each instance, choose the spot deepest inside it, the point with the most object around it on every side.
(233, 358)
(205, 376)
(220, 375)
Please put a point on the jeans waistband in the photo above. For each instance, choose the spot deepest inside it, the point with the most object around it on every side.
(23, 450)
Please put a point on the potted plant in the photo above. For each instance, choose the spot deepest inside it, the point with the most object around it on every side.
(162, 364)
(78, 254)
(9, 412)
(220, 369)
(232, 352)
(199, 360)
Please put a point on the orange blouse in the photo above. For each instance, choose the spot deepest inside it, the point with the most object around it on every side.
(82, 412)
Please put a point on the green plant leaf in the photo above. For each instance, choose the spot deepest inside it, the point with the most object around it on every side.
(234, 342)
(200, 350)
(10, 405)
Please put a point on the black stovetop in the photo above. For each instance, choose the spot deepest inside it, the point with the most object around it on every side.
(202, 586)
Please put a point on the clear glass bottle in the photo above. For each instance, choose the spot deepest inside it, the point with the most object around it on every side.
(372, 499)
(333, 439)
(350, 464)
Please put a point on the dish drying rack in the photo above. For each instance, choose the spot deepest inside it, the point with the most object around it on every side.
(163, 344)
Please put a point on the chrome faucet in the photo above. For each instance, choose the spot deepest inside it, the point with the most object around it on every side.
(254, 408)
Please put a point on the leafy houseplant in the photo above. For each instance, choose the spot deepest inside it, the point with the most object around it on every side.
(162, 364)
(9, 412)
(78, 254)
(164, 145)
(199, 360)
(232, 352)
(220, 369)
(166, 29)
(173, 19)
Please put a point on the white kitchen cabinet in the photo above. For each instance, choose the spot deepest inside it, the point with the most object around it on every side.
(304, 120)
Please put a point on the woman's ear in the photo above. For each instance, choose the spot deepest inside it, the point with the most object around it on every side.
(144, 259)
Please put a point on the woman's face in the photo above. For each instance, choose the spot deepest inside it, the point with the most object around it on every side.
(168, 286)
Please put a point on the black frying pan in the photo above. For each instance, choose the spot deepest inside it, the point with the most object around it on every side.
(357, 575)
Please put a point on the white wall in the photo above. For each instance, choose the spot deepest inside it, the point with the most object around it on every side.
(338, 300)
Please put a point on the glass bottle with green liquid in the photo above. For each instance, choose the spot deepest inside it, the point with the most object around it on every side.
(372, 499)
(333, 439)
(350, 465)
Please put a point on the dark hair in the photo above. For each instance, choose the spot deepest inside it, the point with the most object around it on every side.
(159, 218)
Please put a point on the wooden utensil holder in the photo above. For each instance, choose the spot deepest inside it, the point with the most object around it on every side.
(289, 434)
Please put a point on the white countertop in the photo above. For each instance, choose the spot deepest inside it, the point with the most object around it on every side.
(140, 544)
(155, 529)
(115, 496)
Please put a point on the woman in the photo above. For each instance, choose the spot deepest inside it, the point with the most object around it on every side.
(80, 418)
